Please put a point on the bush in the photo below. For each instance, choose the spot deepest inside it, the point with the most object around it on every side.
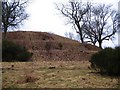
(60, 46)
(107, 61)
(48, 46)
(14, 52)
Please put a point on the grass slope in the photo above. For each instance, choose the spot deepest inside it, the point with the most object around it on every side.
(35, 42)
(53, 74)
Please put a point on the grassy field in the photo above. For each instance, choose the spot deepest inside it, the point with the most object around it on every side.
(53, 74)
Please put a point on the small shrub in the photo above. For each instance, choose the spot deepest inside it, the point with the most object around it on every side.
(60, 46)
(32, 47)
(48, 46)
(24, 56)
(14, 52)
(107, 61)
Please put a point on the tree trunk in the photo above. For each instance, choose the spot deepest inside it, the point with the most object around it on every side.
(81, 38)
(5, 33)
(94, 43)
(80, 32)
(100, 44)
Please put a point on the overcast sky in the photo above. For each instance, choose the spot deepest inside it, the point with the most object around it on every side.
(45, 17)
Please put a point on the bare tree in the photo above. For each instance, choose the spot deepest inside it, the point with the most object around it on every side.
(13, 13)
(93, 23)
(88, 26)
(69, 35)
(99, 24)
(116, 22)
(74, 11)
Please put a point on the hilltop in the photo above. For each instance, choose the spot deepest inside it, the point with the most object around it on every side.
(60, 48)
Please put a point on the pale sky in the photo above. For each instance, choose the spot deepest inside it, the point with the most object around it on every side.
(46, 18)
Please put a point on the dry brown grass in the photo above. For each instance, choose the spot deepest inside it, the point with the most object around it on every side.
(65, 74)
(35, 42)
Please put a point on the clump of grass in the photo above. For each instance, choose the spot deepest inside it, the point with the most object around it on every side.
(28, 78)
(118, 86)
